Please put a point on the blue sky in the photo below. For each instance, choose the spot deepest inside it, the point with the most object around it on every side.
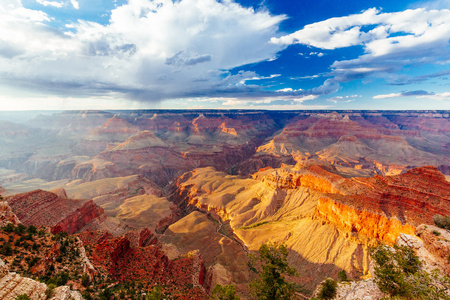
(269, 54)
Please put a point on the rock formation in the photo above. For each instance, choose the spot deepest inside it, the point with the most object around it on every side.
(323, 218)
(6, 215)
(139, 257)
(13, 285)
(42, 208)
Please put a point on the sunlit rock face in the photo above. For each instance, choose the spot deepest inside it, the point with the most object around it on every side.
(218, 184)
(327, 221)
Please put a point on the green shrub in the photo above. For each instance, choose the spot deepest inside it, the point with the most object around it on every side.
(85, 280)
(20, 229)
(23, 297)
(8, 228)
(6, 249)
(343, 276)
(61, 235)
(436, 233)
(398, 273)
(49, 291)
(155, 294)
(328, 289)
(442, 221)
(86, 295)
(227, 292)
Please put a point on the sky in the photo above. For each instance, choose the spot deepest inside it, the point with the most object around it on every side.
(224, 54)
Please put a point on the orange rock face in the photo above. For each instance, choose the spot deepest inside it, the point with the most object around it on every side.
(384, 207)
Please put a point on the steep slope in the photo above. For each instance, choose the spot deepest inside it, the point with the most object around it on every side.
(367, 142)
(326, 221)
(41, 208)
(137, 256)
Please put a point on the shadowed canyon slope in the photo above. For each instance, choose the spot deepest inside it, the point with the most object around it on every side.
(218, 184)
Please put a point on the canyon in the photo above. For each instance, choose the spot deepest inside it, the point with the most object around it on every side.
(191, 193)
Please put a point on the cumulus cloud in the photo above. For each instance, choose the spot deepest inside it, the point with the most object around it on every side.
(390, 41)
(150, 50)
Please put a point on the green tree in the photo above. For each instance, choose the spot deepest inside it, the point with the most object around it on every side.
(49, 290)
(227, 292)
(85, 280)
(22, 297)
(6, 249)
(343, 276)
(328, 289)
(273, 265)
(9, 227)
(20, 229)
(398, 273)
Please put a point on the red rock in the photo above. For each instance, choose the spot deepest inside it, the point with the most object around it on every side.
(126, 262)
(42, 208)
(80, 218)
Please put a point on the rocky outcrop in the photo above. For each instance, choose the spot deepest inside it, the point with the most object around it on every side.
(65, 293)
(115, 129)
(125, 261)
(13, 285)
(6, 215)
(437, 241)
(81, 217)
(42, 208)
(143, 139)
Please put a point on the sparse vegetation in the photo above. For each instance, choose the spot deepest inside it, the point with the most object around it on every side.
(273, 266)
(442, 221)
(436, 233)
(85, 280)
(155, 294)
(254, 225)
(23, 297)
(343, 276)
(398, 273)
(227, 292)
(328, 289)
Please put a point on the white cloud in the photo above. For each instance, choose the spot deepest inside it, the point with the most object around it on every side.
(417, 27)
(441, 96)
(59, 4)
(75, 4)
(390, 41)
(151, 49)
(385, 96)
(338, 99)
(50, 3)
(416, 93)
